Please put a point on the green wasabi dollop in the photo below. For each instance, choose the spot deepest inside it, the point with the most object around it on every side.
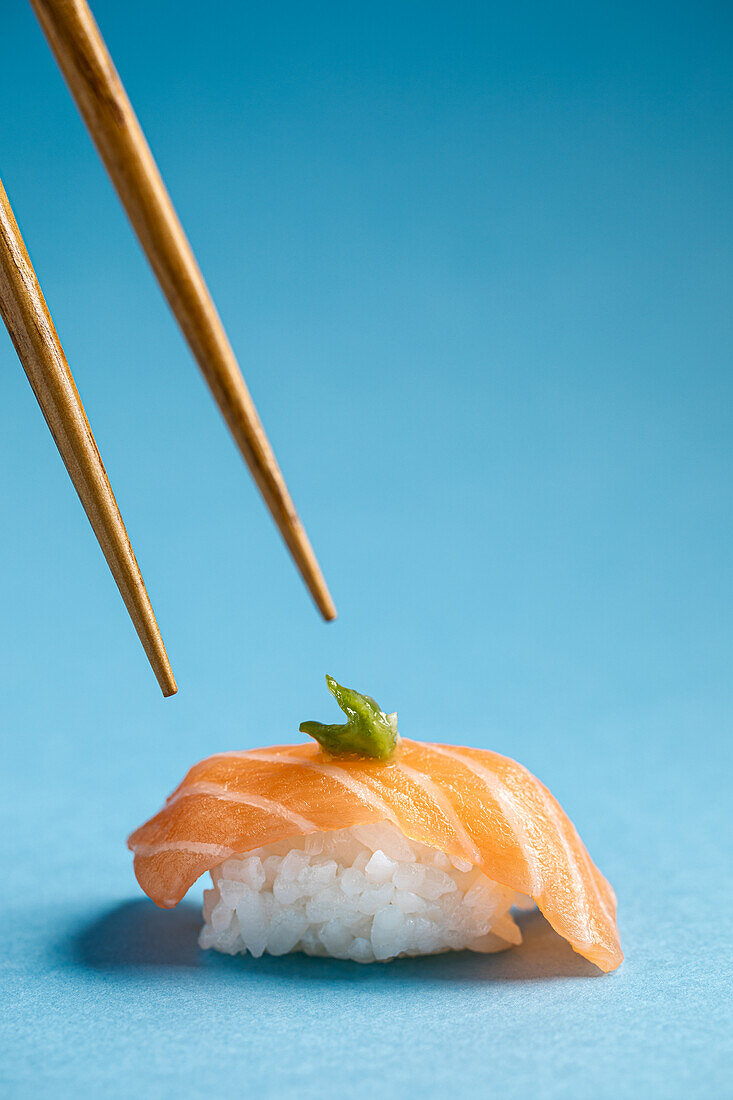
(368, 732)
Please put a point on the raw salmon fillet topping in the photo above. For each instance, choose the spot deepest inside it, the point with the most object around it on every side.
(469, 803)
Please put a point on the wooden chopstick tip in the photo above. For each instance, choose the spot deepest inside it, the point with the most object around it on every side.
(157, 655)
(320, 595)
(163, 672)
(169, 688)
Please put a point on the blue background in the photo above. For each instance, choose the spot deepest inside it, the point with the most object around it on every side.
(475, 259)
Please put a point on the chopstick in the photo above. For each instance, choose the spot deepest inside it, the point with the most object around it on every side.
(95, 85)
(26, 316)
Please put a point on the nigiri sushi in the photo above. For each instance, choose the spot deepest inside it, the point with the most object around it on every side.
(363, 845)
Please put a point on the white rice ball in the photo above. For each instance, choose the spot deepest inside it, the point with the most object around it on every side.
(367, 893)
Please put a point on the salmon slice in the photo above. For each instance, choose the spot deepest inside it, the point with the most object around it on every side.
(469, 803)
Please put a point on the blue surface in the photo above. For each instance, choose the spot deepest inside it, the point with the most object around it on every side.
(476, 262)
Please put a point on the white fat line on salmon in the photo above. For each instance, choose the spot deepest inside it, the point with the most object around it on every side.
(572, 860)
(192, 846)
(215, 790)
(599, 892)
(593, 872)
(352, 785)
(441, 800)
(505, 800)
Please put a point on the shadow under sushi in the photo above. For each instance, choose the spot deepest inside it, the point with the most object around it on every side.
(137, 935)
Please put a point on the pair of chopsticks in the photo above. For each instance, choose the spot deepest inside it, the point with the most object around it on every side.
(102, 101)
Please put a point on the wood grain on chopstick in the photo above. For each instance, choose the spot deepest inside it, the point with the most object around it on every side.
(26, 316)
(90, 73)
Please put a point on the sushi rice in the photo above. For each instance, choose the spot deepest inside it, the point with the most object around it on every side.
(366, 893)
